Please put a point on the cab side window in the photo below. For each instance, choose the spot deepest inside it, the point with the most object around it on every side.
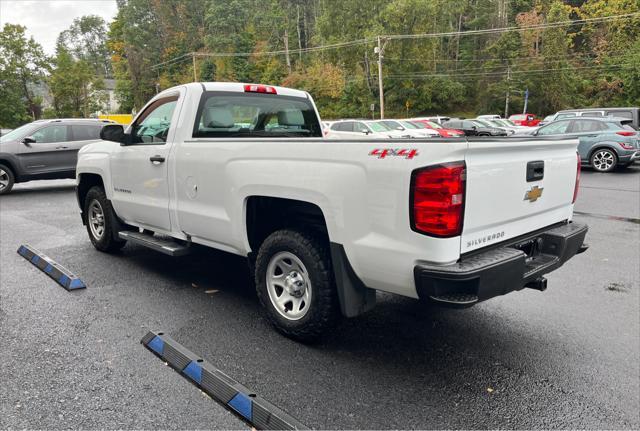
(152, 127)
(51, 134)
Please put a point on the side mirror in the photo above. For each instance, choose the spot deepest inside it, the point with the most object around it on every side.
(474, 127)
(114, 132)
(400, 128)
(28, 141)
(365, 131)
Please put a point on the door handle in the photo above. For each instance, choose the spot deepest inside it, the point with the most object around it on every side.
(61, 148)
(156, 159)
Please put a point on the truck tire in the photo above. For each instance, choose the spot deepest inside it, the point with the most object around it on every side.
(604, 160)
(7, 179)
(101, 221)
(295, 284)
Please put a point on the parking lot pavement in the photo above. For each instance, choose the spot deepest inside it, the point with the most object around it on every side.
(564, 358)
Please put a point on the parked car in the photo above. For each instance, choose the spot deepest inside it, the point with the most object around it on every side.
(499, 124)
(438, 119)
(326, 224)
(350, 129)
(44, 149)
(410, 129)
(488, 117)
(604, 142)
(529, 120)
(632, 114)
(474, 128)
(443, 131)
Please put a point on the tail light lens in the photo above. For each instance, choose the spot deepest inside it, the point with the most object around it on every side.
(259, 88)
(626, 133)
(578, 169)
(437, 199)
(626, 146)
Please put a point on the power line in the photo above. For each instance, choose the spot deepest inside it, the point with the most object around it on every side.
(514, 28)
(365, 41)
(498, 73)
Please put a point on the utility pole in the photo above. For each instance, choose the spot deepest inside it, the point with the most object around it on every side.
(195, 74)
(380, 51)
(526, 100)
(286, 49)
(506, 102)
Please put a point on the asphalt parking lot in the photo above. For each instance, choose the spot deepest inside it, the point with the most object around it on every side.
(564, 358)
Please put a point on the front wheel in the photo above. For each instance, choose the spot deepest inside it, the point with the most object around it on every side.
(604, 160)
(295, 284)
(7, 180)
(101, 221)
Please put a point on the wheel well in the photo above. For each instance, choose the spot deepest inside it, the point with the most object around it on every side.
(268, 214)
(601, 147)
(84, 185)
(9, 165)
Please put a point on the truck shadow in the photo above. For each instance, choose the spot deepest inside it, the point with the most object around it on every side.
(420, 359)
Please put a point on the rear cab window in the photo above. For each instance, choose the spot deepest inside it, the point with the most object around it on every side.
(226, 114)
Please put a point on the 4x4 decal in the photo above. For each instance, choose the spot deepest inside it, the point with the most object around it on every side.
(381, 153)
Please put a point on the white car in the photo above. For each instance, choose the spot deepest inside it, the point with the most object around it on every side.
(363, 129)
(488, 117)
(409, 129)
(325, 223)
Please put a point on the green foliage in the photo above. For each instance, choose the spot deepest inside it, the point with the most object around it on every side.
(86, 39)
(77, 91)
(149, 46)
(23, 65)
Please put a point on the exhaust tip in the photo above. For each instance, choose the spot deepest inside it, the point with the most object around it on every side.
(538, 284)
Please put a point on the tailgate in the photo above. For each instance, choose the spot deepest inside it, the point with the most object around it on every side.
(501, 204)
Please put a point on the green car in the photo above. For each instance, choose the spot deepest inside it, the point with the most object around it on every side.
(605, 143)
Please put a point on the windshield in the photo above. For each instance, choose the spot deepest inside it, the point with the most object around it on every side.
(501, 123)
(434, 125)
(378, 127)
(18, 133)
(410, 125)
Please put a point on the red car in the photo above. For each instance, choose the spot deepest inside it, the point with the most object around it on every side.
(529, 120)
(445, 133)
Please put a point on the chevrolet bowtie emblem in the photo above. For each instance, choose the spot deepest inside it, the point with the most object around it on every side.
(533, 194)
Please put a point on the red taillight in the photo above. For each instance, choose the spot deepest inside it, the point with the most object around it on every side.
(626, 133)
(437, 199)
(578, 169)
(259, 88)
(626, 146)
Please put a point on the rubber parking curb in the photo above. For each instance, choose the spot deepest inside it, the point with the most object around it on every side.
(251, 407)
(57, 272)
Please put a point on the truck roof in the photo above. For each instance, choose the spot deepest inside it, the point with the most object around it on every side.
(239, 87)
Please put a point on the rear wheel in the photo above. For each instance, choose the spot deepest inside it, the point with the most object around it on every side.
(604, 160)
(295, 284)
(7, 179)
(102, 223)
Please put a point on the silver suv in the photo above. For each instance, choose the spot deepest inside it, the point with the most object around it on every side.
(44, 149)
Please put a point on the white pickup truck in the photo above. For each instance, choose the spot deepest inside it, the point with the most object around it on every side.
(244, 168)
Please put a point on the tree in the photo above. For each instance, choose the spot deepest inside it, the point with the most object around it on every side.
(22, 66)
(86, 39)
(77, 91)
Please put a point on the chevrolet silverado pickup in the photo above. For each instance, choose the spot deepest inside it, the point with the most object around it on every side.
(324, 223)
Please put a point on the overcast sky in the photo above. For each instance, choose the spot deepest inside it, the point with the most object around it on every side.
(45, 19)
